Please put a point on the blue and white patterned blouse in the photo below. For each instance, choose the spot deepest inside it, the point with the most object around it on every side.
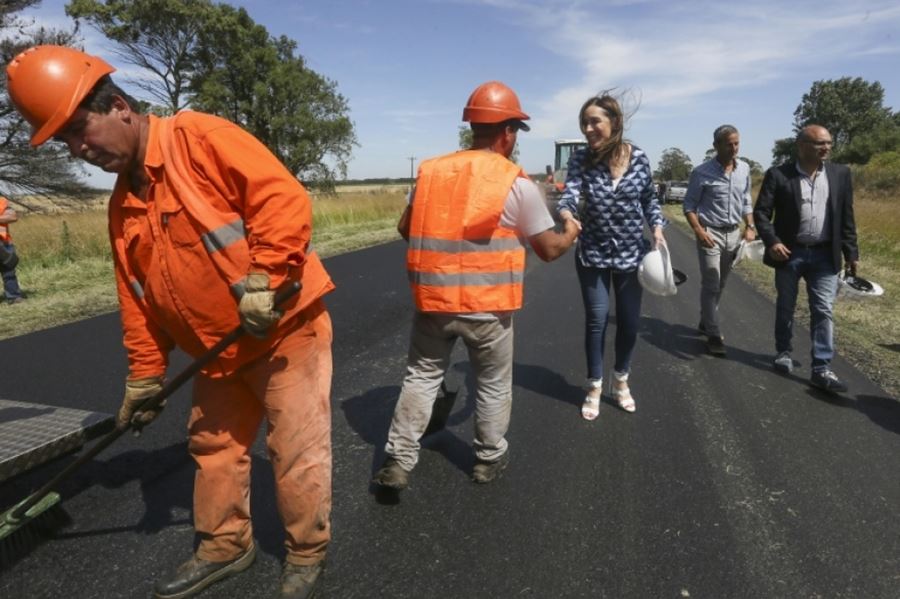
(612, 220)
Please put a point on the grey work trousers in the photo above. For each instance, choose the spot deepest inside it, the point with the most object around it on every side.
(490, 347)
(715, 265)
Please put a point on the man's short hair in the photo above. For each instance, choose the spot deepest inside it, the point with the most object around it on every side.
(722, 132)
(100, 98)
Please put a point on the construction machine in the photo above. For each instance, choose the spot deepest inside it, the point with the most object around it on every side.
(556, 174)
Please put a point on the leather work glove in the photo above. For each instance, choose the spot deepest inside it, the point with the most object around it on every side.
(257, 307)
(136, 391)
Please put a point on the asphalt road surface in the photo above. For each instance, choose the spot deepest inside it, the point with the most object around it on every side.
(730, 480)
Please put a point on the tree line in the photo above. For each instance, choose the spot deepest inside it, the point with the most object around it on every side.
(196, 54)
(864, 130)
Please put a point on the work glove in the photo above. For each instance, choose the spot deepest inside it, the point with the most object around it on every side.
(257, 308)
(136, 391)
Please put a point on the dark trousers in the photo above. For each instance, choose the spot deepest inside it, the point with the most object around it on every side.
(596, 285)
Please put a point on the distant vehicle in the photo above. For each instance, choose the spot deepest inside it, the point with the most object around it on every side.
(556, 174)
(675, 191)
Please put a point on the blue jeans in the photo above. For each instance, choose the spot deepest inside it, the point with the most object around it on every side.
(10, 282)
(816, 268)
(595, 293)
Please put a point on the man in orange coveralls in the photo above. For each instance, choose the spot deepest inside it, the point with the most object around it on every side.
(205, 223)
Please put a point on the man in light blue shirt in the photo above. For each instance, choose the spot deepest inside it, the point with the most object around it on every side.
(717, 201)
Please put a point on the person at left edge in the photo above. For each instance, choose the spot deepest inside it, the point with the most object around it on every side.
(205, 223)
(13, 294)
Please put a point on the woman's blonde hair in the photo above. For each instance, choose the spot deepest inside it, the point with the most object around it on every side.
(616, 143)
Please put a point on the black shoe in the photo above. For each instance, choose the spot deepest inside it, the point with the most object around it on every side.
(485, 472)
(828, 381)
(716, 346)
(196, 574)
(391, 475)
(300, 582)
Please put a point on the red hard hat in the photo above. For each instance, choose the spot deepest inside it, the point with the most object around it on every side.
(47, 83)
(493, 102)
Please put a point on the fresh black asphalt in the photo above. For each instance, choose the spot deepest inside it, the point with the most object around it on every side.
(729, 481)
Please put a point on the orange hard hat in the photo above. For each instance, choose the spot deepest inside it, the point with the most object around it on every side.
(493, 102)
(47, 83)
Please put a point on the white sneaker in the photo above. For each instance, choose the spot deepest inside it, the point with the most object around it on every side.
(783, 362)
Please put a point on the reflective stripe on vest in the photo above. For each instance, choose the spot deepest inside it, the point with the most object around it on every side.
(460, 259)
(224, 236)
(474, 279)
(138, 290)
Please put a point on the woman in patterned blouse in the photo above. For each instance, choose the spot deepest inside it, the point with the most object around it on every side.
(611, 181)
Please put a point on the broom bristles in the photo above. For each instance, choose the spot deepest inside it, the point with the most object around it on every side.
(19, 535)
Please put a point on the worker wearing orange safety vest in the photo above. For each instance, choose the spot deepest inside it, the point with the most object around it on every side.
(471, 216)
(8, 257)
(205, 224)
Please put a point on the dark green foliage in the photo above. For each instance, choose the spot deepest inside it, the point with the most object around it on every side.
(674, 165)
(215, 58)
(853, 111)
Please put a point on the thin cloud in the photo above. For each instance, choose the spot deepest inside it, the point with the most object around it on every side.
(674, 59)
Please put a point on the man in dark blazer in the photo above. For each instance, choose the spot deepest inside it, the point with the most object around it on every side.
(804, 215)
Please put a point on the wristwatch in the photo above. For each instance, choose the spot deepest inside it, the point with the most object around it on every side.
(751, 226)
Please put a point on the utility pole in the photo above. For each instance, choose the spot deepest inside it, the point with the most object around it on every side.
(412, 162)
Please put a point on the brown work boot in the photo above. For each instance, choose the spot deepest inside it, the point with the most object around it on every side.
(391, 475)
(485, 472)
(196, 574)
(300, 582)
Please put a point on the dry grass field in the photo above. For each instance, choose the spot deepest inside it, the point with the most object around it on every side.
(66, 270)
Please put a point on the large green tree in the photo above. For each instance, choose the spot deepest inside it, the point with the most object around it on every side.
(674, 165)
(214, 57)
(847, 107)
(853, 111)
(47, 170)
(160, 37)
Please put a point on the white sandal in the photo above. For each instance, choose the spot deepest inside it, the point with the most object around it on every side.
(590, 409)
(622, 396)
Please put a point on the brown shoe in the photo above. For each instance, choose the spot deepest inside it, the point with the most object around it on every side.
(196, 574)
(391, 475)
(485, 472)
(300, 582)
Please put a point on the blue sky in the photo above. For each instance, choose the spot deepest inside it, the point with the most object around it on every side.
(407, 67)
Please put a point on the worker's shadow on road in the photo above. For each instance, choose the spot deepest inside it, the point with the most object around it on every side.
(547, 383)
(166, 479)
(686, 343)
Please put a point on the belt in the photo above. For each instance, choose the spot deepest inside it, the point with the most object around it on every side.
(813, 246)
(722, 228)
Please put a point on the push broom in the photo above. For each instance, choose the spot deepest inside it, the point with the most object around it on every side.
(26, 523)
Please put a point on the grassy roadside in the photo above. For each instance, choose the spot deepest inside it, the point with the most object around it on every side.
(866, 331)
(66, 270)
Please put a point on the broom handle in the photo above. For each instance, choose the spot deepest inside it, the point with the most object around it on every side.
(283, 294)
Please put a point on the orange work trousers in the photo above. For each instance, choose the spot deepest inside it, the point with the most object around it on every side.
(289, 386)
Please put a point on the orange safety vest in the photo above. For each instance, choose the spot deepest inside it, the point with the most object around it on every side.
(460, 259)
(221, 233)
(4, 228)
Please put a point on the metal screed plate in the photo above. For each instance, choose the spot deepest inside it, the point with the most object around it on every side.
(32, 434)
